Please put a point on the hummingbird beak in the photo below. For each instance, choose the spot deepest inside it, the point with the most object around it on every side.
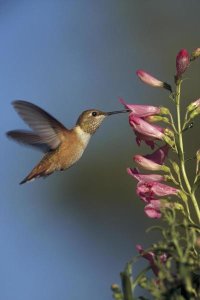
(117, 112)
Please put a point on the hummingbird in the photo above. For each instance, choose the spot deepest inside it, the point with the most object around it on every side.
(62, 147)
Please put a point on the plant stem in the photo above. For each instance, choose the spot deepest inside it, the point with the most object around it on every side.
(181, 151)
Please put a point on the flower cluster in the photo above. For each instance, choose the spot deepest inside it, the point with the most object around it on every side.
(149, 187)
(175, 258)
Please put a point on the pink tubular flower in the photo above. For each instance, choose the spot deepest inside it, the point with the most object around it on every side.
(150, 80)
(182, 62)
(142, 111)
(150, 256)
(145, 177)
(145, 128)
(148, 164)
(148, 190)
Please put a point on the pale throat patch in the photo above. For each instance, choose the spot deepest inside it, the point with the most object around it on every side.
(84, 136)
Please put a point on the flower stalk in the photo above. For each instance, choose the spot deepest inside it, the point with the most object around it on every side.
(181, 150)
(167, 194)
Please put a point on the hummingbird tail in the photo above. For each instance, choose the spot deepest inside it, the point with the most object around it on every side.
(43, 169)
(24, 180)
(32, 176)
(29, 178)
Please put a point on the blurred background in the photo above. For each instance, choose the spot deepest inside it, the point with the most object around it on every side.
(69, 236)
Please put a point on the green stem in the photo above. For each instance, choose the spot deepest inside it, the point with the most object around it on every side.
(139, 277)
(181, 151)
(126, 286)
(172, 123)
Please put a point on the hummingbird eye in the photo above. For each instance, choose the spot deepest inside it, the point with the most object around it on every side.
(94, 113)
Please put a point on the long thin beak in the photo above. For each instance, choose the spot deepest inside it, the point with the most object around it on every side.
(117, 112)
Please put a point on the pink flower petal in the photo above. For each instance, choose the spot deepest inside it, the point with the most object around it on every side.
(143, 177)
(147, 164)
(142, 110)
(145, 128)
(160, 189)
(152, 209)
(147, 139)
(159, 155)
(148, 190)
(149, 79)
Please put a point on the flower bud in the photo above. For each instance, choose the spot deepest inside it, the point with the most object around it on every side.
(153, 119)
(177, 206)
(150, 80)
(164, 110)
(195, 54)
(194, 113)
(115, 288)
(175, 167)
(182, 62)
(182, 195)
(169, 132)
(169, 141)
(198, 160)
(193, 105)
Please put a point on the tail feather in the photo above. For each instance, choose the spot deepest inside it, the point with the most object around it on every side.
(28, 179)
(43, 169)
(23, 181)
(33, 175)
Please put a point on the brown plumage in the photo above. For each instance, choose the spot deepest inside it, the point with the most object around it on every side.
(63, 157)
(62, 147)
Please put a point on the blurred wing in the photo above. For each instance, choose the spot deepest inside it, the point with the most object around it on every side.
(28, 138)
(43, 124)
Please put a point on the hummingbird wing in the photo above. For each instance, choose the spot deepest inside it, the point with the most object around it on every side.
(49, 130)
(28, 138)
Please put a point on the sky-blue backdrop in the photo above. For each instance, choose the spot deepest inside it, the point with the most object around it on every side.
(69, 236)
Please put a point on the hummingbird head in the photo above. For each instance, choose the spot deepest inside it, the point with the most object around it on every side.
(90, 120)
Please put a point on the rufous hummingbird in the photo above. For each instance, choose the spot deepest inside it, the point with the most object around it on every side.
(62, 147)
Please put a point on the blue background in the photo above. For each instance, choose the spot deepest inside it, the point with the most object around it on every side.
(69, 236)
